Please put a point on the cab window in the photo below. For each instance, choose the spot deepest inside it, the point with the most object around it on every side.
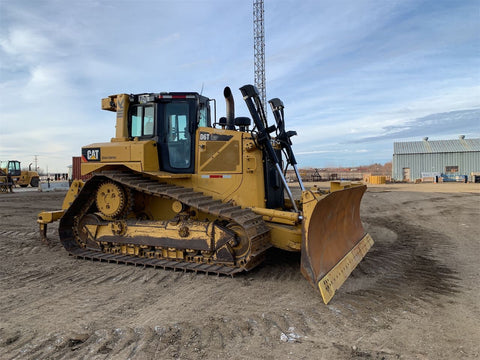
(141, 121)
(148, 121)
(203, 116)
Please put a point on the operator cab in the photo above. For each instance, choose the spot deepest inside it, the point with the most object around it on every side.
(171, 119)
(12, 167)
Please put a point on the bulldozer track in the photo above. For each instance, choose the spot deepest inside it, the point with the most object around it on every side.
(155, 263)
(251, 223)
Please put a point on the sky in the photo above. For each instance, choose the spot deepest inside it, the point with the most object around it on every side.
(355, 76)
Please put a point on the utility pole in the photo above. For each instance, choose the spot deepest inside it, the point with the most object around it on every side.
(259, 50)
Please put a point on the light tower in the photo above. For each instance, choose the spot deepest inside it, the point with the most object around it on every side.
(259, 50)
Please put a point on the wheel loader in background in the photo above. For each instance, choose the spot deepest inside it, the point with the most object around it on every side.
(20, 177)
(174, 190)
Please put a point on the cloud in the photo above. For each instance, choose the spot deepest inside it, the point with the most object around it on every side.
(25, 43)
(353, 74)
(465, 121)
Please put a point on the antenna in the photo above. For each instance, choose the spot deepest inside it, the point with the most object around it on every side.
(259, 50)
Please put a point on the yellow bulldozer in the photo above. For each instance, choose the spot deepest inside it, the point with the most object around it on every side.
(20, 177)
(174, 190)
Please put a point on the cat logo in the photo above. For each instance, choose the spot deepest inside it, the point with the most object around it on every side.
(91, 154)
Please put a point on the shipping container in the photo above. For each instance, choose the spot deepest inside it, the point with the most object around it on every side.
(77, 169)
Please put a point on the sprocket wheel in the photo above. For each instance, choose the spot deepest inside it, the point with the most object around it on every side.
(111, 199)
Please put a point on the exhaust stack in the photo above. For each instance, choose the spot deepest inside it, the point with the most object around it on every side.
(230, 108)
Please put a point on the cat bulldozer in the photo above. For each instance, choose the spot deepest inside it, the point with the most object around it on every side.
(174, 190)
(20, 177)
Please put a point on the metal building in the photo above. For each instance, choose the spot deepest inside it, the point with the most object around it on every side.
(412, 160)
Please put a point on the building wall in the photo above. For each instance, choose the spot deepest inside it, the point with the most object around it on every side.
(467, 163)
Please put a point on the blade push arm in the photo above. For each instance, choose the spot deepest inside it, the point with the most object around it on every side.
(254, 105)
(284, 136)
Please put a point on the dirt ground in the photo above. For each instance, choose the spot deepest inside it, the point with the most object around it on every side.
(415, 295)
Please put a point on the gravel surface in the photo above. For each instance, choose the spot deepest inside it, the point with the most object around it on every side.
(414, 296)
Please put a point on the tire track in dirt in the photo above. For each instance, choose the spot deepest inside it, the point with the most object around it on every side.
(16, 343)
(172, 341)
(400, 271)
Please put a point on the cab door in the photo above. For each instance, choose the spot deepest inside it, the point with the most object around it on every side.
(177, 136)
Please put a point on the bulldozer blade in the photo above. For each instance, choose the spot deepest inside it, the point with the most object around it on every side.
(333, 238)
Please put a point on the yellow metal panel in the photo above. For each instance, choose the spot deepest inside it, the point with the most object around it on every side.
(47, 217)
(88, 168)
(115, 152)
(121, 128)
(224, 181)
(72, 193)
(285, 237)
(145, 152)
(226, 159)
(250, 162)
(109, 103)
(159, 209)
(196, 230)
(137, 155)
(219, 186)
(218, 151)
(378, 179)
(340, 185)
(167, 175)
(207, 150)
(112, 152)
(252, 189)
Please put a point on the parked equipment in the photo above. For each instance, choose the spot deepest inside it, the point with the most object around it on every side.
(20, 177)
(6, 182)
(173, 190)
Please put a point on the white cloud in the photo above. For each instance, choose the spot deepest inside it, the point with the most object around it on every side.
(346, 70)
(26, 43)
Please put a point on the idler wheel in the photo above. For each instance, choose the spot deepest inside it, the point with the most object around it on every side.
(241, 246)
(84, 234)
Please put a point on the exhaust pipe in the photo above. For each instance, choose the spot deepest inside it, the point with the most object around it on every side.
(230, 108)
